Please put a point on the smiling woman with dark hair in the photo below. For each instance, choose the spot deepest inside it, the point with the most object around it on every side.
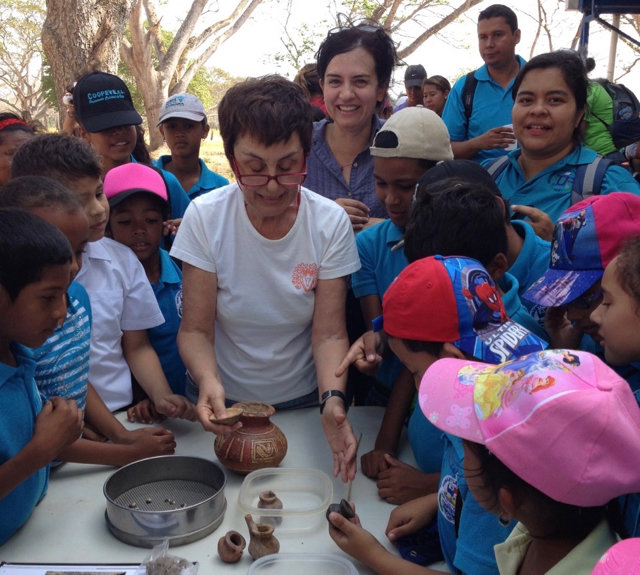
(550, 98)
(355, 63)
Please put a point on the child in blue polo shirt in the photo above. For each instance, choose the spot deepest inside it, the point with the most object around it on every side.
(442, 307)
(183, 124)
(34, 277)
(401, 155)
(138, 206)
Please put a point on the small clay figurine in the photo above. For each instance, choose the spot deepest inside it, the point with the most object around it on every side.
(231, 546)
(261, 539)
(343, 508)
(269, 500)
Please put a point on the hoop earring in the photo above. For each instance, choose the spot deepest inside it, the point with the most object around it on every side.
(503, 520)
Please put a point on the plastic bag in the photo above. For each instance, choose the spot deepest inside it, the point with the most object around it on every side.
(160, 562)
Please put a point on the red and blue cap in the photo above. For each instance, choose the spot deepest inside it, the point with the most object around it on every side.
(587, 236)
(454, 300)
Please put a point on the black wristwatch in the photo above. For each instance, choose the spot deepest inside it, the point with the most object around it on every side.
(332, 393)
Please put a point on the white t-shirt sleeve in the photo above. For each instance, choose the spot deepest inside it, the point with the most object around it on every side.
(191, 244)
(341, 255)
(140, 309)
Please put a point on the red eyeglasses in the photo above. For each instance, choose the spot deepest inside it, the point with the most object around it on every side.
(260, 180)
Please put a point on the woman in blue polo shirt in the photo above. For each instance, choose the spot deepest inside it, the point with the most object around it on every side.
(550, 95)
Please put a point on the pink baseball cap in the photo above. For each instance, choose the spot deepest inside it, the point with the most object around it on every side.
(562, 420)
(587, 236)
(127, 179)
(621, 559)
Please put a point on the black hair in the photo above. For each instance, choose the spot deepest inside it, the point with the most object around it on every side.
(372, 38)
(500, 11)
(141, 151)
(13, 123)
(564, 520)
(28, 244)
(31, 192)
(58, 156)
(433, 348)
(569, 64)
(455, 217)
(270, 108)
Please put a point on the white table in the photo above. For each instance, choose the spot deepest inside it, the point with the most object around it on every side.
(69, 524)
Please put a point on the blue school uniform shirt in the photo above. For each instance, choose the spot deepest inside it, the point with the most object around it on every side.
(530, 265)
(62, 362)
(550, 190)
(491, 108)
(515, 309)
(168, 292)
(471, 551)
(380, 266)
(20, 404)
(324, 175)
(208, 180)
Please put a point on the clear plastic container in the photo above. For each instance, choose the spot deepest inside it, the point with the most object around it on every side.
(305, 496)
(307, 563)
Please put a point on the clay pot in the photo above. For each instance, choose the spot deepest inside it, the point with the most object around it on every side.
(262, 541)
(257, 444)
(269, 500)
(231, 546)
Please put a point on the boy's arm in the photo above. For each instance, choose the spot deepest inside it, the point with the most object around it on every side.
(98, 416)
(388, 437)
(398, 405)
(57, 425)
(148, 442)
(353, 539)
(145, 366)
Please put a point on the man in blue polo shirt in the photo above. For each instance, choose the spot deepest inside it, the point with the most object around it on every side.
(481, 128)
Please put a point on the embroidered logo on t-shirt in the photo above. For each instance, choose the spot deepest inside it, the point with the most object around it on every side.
(305, 276)
(178, 300)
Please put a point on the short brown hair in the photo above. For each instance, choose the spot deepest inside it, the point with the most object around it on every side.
(271, 108)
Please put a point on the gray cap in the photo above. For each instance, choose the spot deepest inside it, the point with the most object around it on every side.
(414, 75)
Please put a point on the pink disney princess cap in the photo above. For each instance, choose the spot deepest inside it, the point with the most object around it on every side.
(123, 181)
(621, 559)
(563, 421)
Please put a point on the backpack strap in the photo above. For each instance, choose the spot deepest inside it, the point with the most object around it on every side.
(468, 92)
(588, 179)
(497, 166)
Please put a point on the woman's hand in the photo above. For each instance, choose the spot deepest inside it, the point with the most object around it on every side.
(341, 440)
(211, 406)
(357, 211)
(411, 516)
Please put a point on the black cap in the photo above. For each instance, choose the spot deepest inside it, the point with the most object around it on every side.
(414, 75)
(102, 101)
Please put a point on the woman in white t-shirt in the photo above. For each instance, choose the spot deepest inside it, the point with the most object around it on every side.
(265, 263)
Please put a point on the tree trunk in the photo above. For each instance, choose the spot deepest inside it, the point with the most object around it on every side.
(155, 67)
(80, 36)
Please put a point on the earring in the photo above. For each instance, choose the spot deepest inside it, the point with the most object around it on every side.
(503, 520)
